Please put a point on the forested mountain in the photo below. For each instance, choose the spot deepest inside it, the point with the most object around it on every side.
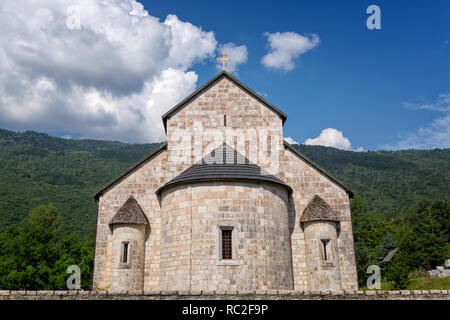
(390, 181)
(37, 169)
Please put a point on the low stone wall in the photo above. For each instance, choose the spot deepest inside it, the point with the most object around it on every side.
(222, 295)
(438, 272)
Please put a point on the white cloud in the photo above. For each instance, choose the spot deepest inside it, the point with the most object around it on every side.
(189, 44)
(332, 138)
(442, 104)
(238, 55)
(290, 140)
(102, 69)
(434, 135)
(286, 47)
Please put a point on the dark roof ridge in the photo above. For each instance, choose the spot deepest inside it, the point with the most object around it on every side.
(319, 168)
(205, 86)
(147, 157)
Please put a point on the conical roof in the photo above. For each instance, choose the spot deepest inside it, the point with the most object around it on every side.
(318, 210)
(224, 163)
(129, 213)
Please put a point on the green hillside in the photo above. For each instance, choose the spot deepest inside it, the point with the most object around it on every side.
(390, 181)
(36, 169)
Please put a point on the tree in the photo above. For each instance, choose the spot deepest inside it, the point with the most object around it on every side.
(398, 272)
(387, 246)
(425, 234)
(33, 250)
(362, 262)
(35, 256)
(74, 251)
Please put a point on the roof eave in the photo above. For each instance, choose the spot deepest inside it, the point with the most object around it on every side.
(319, 219)
(177, 183)
(127, 223)
(147, 157)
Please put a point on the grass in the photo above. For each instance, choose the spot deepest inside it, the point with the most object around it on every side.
(429, 283)
(421, 283)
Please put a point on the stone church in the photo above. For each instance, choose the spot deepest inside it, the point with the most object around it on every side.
(224, 204)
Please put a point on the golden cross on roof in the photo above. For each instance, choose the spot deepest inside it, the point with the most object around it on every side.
(223, 59)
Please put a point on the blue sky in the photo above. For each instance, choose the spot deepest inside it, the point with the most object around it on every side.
(382, 89)
(356, 80)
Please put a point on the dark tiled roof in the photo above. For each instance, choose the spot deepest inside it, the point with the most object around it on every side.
(129, 213)
(319, 168)
(208, 84)
(224, 163)
(147, 157)
(318, 210)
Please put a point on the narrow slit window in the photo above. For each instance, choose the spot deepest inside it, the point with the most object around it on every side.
(227, 248)
(224, 120)
(326, 249)
(125, 252)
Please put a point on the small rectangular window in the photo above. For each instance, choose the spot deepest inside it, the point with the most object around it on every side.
(124, 252)
(227, 247)
(224, 120)
(326, 249)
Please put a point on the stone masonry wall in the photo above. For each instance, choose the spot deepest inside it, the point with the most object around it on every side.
(128, 276)
(306, 181)
(251, 128)
(324, 273)
(228, 295)
(192, 218)
(142, 184)
(256, 132)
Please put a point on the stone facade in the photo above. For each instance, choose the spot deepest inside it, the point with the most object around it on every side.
(322, 255)
(141, 183)
(128, 275)
(180, 248)
(230, 295)
(193, 216)
(250, 128)
(306, 181)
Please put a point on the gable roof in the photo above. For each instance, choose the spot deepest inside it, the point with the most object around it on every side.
(319, 168)
(223, 164)
(211, 82)
(319, 210)
(130, 213)
(121, 175)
